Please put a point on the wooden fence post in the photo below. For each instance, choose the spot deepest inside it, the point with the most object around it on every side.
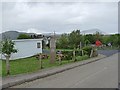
(59, 57)
(91, 54)
(82, 53)
(74, 55)
(40, 59)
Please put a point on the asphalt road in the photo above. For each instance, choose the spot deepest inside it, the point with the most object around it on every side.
(108, 52)
(99, 74)
(104, 52)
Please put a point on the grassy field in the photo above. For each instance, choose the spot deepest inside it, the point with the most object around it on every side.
(30, 64)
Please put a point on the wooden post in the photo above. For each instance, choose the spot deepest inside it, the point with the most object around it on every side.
(52, 49)
(74, 55)
(59, 57)
(40, 59)
(91, 54)
(82, 53)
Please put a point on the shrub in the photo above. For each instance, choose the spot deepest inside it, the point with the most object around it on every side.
(87, 50)
(82, 57)
(67, 55)
(79, 57)
(95, 53)
(85, 57)
(23, 36)
(78, 53)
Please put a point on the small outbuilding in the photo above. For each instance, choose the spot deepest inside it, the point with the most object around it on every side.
(26, 48)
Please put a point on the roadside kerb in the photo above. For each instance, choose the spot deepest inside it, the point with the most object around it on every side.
(16, 81)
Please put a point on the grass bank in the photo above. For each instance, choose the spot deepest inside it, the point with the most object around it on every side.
(31, 64)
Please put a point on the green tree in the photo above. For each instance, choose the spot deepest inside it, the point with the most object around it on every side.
(105, 39)
(75, 38)
(62, 42)
(7, 50)
(119, 40)
(87, 42)
(91, 38)
(74, 41)
(98, 36)
(114, 39)
(23, 36)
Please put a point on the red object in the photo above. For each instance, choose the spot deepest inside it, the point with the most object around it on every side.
(98, 43)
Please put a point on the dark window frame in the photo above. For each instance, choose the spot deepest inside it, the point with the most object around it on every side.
(38, 45)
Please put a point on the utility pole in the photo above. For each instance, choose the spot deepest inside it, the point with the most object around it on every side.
(52, 49)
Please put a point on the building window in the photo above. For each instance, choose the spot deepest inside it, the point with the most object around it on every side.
(38, 45)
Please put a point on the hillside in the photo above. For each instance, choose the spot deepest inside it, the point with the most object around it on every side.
(92, 31)
(12, 34)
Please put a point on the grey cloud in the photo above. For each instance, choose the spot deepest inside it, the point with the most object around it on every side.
(60, 17)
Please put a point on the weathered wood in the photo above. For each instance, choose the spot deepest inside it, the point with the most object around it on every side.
(60, 58)
(74, 55)
(91, 54)
(52, 49)
(40, 59)
(82, 53)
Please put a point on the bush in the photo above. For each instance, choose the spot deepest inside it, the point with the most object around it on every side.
(85, 57)
(87, 50)
(67, 55)
(23, 36)
(78, 53)
(95, 53)
(82, 57)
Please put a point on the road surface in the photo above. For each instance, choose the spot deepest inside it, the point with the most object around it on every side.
(108, 52)
(99, 74)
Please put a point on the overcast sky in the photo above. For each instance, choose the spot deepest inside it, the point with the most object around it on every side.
(61, 17)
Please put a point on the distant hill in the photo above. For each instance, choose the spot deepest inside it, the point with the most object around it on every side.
(13, 34)
(10, 35)
(92, 31)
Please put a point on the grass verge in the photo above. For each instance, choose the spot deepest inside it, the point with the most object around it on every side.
(31, 64)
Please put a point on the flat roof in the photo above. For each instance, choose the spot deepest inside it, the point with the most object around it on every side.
(23, 40)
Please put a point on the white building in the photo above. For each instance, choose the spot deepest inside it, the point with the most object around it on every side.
(26, 48)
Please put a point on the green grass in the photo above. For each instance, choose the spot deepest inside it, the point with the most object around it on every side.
(30, 64)
(82, 57)
(21, 66)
